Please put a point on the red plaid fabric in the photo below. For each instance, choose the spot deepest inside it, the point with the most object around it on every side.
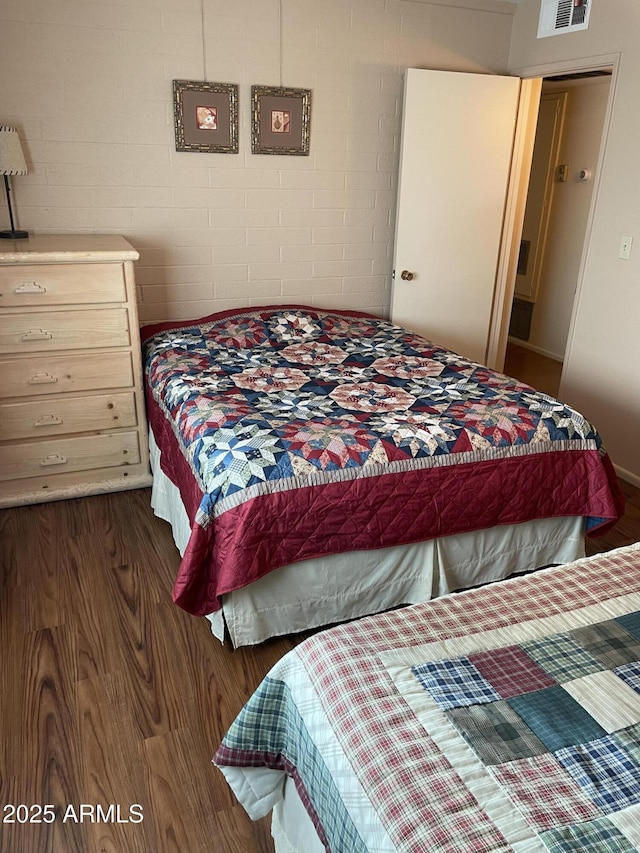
(544, 792)
(497, 665)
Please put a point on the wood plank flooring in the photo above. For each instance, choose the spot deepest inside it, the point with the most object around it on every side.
(113, 696)
(535, 369)
(110, 693)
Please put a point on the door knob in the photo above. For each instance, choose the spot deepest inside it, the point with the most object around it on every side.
(405, 275)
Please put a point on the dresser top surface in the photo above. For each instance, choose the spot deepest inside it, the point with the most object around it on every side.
(67, 248)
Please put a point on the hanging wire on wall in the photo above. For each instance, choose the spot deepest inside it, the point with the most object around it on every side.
(280, 25)
(204, 42)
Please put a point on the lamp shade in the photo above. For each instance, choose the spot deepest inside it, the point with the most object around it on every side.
(12, 160)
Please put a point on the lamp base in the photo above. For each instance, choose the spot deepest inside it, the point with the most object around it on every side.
(14, 235)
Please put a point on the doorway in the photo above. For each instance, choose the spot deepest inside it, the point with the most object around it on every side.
(566, 155)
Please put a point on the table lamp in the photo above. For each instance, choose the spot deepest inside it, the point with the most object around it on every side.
(12, 162)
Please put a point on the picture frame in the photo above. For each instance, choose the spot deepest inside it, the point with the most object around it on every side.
(205, 116)
(280, 120)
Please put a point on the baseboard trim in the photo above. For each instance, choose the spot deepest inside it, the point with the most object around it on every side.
(627, 476)
(526, 345)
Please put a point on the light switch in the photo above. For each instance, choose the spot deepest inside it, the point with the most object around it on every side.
(624, 251)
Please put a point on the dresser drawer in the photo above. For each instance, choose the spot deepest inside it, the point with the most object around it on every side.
(59, 330)
(56, 416)
(61, 284)
(46, 374)
(63, 455)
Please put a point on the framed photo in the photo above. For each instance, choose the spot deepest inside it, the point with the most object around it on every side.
(206, 116)
(280, 120)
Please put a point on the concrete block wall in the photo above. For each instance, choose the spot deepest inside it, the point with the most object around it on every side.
(89, 85)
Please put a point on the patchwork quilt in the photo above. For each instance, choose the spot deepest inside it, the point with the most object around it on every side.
(294, 433)
(506, 718)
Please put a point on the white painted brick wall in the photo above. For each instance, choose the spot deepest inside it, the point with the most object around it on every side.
(89, 86)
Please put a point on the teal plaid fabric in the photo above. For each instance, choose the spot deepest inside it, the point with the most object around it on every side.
(630, 622)
(597, 836)
(556, 718)
(272, 723)
(562, 657)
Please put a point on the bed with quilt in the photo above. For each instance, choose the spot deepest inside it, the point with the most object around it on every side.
(505, 718)
(318, 466)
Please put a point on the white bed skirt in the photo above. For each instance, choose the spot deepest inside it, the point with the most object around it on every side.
(341, 587)
(291, 827)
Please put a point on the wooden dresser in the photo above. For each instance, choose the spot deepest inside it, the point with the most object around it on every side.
(72, 418)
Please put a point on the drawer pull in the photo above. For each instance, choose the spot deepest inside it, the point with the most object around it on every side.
(30, 287)
(48, 420)
(42, 379)
(36, 335)
(53, 459)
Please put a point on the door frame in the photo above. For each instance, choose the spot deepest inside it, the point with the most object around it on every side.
(506, 278)
(543, 215)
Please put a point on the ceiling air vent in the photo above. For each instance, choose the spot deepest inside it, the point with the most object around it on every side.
(563, 16)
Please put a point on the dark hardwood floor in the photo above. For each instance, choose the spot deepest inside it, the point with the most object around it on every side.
(110, 693)
(533, 368)
(113, 696)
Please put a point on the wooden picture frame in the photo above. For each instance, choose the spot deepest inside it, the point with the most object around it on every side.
(280, 120)
(206, 116)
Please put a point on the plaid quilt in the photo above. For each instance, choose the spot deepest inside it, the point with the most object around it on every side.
(294, 433)
(502, 719)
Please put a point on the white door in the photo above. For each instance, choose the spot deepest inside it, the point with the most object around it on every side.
(455, 213)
